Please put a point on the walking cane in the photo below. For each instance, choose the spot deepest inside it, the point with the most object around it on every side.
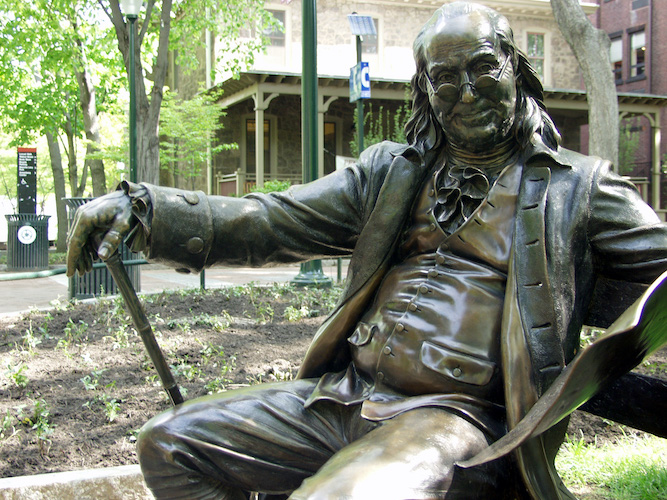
(143, 326)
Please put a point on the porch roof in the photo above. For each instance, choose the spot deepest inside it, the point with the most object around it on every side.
(239, 89)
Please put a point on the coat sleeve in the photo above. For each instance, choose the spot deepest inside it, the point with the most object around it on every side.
(628, 240)
(191, 231)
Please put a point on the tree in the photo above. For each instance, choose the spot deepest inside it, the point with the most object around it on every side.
(187, 128)
(178, 26)
(591, 48)
(49, 49)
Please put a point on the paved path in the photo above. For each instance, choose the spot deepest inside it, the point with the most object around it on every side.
(22, 295)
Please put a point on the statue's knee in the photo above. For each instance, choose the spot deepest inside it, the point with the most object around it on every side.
(155, 438)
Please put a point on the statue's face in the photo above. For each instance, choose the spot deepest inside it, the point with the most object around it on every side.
(471, 85)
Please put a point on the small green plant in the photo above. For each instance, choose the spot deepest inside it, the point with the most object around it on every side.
(16, 375)
(38, 421)
(44, 329)
(218, 324)
(293, 314)
(264, 312)
(91, 382)
(75, 334)
(111, 409)
(186, 370)
(30, 340)
(119, 338)
(7, 428)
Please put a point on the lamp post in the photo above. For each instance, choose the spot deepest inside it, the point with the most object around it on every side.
(131, 9)
(310, 273)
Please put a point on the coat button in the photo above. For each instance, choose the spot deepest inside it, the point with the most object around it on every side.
(432, 227)
(457, 372)
(440, 259)
(424, 289)
(412, 306)
(191, 198)
(400, 327)
(431, 192)
(387, 350)
(432, 273)
(380, 376)
(194, 245)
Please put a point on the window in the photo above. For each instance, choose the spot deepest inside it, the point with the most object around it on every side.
(251, 164)
(535, 52)
(369, 44)
(616, 56)
(276, 34)
(637, 53)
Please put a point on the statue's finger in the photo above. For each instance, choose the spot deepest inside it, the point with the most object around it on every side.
(110, 243)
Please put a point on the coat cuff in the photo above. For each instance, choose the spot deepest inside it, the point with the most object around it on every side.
(181, 228)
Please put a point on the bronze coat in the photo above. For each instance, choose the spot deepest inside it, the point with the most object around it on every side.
(575, 220)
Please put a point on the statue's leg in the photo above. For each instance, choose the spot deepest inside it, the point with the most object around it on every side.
(410, 456)
(259, 438)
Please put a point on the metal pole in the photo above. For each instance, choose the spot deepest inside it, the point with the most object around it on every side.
(360, 106)
(133, 105)
(311, 272)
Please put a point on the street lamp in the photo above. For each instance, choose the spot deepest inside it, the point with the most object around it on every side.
(310, 273)
(131, 9)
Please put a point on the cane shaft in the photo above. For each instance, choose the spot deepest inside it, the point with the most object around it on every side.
(143, 326)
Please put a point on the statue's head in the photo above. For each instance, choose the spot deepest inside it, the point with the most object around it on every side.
(473, 87)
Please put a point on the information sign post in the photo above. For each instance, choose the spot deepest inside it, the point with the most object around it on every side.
(26, 186)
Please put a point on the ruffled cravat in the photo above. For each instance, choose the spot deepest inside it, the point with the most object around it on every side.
(464, 181)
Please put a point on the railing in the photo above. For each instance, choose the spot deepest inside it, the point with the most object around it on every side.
(240, 183)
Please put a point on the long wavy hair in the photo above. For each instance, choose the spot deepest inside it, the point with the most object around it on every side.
(423, 131)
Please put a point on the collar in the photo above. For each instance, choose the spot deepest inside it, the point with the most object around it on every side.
(537, 151)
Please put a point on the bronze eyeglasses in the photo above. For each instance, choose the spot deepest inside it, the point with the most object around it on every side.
(483, 84)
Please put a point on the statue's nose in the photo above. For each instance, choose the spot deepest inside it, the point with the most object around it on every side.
(467, 89)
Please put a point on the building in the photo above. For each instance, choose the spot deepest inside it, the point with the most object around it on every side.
(269, 93)
(638, 33)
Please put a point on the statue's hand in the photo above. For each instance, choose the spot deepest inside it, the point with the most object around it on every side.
(99, 228)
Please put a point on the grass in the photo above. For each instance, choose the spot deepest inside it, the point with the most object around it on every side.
(634, 468)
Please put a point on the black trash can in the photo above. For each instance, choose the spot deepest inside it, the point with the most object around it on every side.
(27, 242)
(99, 281)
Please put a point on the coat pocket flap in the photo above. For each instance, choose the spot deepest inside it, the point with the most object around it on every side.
(362, 334)
(457, 365)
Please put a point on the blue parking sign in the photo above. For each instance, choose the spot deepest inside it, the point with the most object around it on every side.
(360, 82)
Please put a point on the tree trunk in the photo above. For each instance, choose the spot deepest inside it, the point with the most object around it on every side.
(76, 187)
(148, 110)
(59, 188)
(591, 48)
(91, 127)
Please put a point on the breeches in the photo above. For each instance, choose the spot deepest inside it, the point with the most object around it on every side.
(262, 439)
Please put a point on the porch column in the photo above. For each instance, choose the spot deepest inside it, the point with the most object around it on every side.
(656, 170)
(259, 139)
(260, 105)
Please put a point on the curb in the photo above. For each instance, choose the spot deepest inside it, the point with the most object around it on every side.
(111, 483)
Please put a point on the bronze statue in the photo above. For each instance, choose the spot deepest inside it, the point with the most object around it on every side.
(475, 249)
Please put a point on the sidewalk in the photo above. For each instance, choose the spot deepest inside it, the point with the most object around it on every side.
(38, 293)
